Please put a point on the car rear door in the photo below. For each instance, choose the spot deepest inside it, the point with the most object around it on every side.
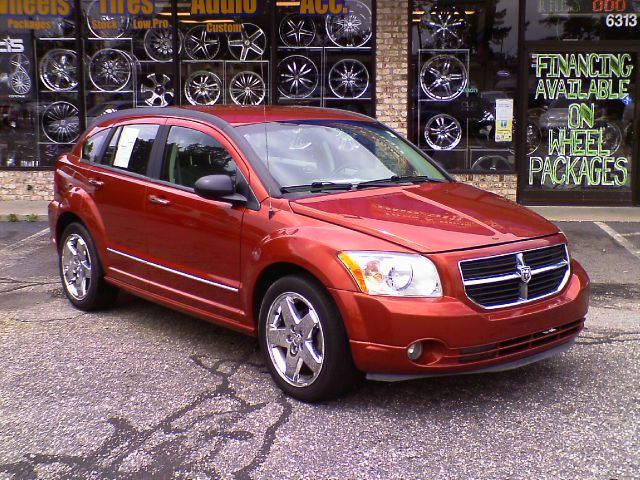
(117, 181)
(194, 243)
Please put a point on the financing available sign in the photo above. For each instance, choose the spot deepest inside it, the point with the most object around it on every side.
(583, 144)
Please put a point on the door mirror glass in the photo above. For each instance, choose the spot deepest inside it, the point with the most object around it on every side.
(218, 187)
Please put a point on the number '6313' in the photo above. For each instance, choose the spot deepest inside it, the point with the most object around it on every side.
(622, 20)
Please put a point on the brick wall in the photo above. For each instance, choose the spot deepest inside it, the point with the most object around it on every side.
(25, 185)
(504, 185)
(391, 58)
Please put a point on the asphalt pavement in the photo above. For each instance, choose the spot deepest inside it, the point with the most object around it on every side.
(140, 392)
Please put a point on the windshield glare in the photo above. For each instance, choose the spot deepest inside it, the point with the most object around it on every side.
(301, 153)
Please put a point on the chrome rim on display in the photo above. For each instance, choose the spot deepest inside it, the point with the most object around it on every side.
(20, 82)
(295, 339)
(19, 61)
(110, 70)
(247, 88)
(298, 77)
(76, 266)
(446, 29)
(157, 90)
(58, 70)
(534, 137)
(442, 132)
(200, 44)
(491, 163)
(94, 17)
(352, 29)
(60, 28)
(249, 44)
(611, 136)
(297, 31)
(443, 77)
(203, 88)
(158, 44)
(348, 78)
(60, 122)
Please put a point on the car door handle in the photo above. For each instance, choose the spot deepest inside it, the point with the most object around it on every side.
(95, 182)
(158, 200)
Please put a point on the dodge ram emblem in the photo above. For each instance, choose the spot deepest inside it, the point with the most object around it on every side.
(524, 272)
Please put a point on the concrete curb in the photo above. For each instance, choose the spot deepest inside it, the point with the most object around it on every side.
(23, 211)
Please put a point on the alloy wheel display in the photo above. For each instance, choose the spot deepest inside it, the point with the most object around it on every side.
(60, 122)
(348, 78)
(95, 17)
(445, 29)
(442, 132)
(351, 29)
(247, 88)
(20, 82)
(443, 77)
(158, 44)
(58, 70)
(110, 70)
(297, 31)
(249, 44)
(156, 90)
(298, 77)
(492, 163)
(534, 137)
(200, 44)
(59, 28)
(203, 88)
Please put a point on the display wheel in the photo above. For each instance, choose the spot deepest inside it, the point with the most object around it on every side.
(60, 122)
(348, 78)
(297, 31)
(158, 44)
(298, 77)
(156, 90)
(202, 88)
(95, 19)
(445, 30)
(247, 88)
(110, 70)
(249, 44)
(20, 82)
(200, 44)
(492, 163)
(58, 70)
(351, 29)
(443, 77)
(443, 132)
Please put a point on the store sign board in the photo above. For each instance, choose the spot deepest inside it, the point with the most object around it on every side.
(16, 75)
(42, 8)
(578, 150)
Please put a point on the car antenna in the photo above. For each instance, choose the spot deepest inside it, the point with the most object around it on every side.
(266, 137)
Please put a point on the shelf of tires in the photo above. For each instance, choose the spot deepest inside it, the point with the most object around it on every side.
(455, 128)
(326, 60)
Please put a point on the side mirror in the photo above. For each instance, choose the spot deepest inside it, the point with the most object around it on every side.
(218, 187)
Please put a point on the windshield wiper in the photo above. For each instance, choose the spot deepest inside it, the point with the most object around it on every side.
(317, 187)
(398, 179)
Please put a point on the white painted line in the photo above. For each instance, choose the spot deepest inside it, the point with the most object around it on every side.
(28, 239)
(632, 234)
(619, 238)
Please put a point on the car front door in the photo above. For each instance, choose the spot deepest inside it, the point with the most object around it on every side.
(194, 243)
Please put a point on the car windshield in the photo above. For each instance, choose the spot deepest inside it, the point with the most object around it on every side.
(336, 155)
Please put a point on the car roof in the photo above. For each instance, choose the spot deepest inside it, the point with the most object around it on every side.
(236, 115)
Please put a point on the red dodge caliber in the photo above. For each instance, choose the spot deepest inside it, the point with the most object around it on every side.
(337, 243)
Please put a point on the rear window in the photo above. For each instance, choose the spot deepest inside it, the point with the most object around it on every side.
(130, 148)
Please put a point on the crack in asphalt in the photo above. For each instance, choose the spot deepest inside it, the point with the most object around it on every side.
(184, 444)
(596, 338)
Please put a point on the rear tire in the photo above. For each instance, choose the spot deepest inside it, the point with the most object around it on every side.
(303, 340)
(80, 270)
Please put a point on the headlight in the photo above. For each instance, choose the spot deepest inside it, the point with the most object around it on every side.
(397, 274)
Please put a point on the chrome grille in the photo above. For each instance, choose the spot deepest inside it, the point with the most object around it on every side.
(515, 278)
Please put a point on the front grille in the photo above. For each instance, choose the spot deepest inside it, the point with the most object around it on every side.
(517, 277)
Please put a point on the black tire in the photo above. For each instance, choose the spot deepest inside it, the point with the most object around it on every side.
(328, 337)
(84, 292)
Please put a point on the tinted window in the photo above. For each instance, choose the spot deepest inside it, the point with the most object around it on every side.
(93, 145)
(191, 154)
(130, 148)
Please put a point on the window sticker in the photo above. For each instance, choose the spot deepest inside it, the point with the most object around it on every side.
(504, 120)
(125, 147)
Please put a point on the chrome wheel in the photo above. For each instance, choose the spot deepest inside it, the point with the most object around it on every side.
(247, 88)
(445, 29)
(492, 163)
(295, 339)
(442, 132)
(110, 70)
(20, 82)
(443, 77)
(60, 28)
(200, 44)
(60, 122)
(348, 79)
(352, 29)
(19, 61)
(157, 90)
(203, 88)
(158, 44)
(297, 31)
(94, 18)
(249, 44)
(76, 266)
(534, 138)
(298, 77)
(58, 70)
(611, 135)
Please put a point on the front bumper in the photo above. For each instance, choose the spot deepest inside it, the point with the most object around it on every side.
(458, 336)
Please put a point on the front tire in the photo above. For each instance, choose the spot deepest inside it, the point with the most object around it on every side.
(81, 272)
(303, 340)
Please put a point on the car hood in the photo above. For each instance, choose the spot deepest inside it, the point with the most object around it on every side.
(429, 218)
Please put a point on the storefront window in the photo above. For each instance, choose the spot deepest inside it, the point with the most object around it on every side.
(464, 83)
(56, 77)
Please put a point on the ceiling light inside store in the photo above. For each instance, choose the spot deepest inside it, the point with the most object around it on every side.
(469, 12)
(288, 4)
